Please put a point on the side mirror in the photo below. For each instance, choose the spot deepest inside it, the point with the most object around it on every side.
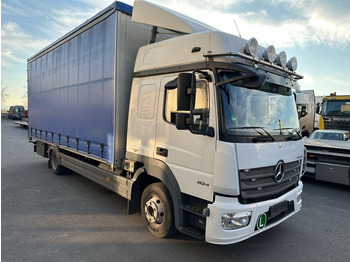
(195, 120)
(303, 111)
(184, 92)
(317, 108)
(183, 121)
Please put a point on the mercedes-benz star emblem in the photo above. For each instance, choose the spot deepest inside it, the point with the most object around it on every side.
(279, 171)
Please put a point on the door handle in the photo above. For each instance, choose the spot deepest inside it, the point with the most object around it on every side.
(162, 151)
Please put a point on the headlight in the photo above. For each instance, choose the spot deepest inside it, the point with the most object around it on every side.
(231, 221)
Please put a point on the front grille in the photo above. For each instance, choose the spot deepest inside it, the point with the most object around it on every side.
(259, 184)
(342, 125)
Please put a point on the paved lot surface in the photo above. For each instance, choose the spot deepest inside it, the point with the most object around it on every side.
(69, 218)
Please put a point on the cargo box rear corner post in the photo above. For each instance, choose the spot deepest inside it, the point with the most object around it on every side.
(165, 113)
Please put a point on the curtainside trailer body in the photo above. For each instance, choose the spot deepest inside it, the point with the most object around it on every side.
(79, 86)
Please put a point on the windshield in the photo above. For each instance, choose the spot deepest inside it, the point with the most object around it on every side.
(19, 109)
(330, 135)
(336, 108)
(268, 111)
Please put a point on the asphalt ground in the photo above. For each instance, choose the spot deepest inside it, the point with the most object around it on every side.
(45, 217)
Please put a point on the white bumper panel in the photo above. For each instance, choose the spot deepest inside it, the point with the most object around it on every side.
(217, 235)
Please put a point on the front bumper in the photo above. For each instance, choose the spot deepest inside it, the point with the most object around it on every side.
(217, 235)
(19, 117)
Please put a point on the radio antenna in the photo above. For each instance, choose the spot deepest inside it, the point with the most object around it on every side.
(237, 28)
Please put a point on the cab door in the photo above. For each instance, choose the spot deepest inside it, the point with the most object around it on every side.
(189, 156)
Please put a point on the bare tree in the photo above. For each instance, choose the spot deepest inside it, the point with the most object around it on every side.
(4, 95)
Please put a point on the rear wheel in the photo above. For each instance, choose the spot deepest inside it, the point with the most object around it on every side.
(157, 210)
(56, 168)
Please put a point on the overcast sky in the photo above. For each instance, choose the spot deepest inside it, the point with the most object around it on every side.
(317, 32)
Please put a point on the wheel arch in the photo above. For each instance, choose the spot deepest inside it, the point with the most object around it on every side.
(56, 150)
(153, 171)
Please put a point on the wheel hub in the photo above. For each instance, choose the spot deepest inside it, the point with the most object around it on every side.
(154, 210)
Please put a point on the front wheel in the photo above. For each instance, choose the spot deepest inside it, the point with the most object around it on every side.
(157, 210)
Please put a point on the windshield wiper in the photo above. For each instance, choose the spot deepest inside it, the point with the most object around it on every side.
(255, 128)
(292, 135)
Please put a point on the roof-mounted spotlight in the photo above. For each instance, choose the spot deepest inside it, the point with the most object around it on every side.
(270, 54)
(292, 64)
(281, 59)
(251, 47)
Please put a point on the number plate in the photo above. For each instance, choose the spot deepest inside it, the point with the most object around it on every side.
(277, 209)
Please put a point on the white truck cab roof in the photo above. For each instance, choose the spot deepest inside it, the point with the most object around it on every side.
(155, 15)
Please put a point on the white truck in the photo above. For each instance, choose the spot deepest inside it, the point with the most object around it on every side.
(197, 128)
(306, 107)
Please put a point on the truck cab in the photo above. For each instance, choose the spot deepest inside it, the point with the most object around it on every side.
(334, 112)
(218, 113)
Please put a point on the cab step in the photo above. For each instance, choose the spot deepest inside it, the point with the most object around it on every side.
(193, 232)
(196, 210)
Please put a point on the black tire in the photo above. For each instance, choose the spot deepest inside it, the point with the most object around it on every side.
(56, 168)
(157, 210)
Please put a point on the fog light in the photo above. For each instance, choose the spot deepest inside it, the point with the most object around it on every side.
(299, 196)
(281, 59)
(292, 64)
(251, 47)
(270, 54)
(231, 221)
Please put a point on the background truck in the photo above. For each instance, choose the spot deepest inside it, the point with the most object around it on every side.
(334, 112)
(305, 101)
(197, 128)
(16, 112)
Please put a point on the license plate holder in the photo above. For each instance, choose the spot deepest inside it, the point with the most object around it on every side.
(277, 209)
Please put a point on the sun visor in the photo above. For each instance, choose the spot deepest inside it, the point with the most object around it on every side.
(155, 15)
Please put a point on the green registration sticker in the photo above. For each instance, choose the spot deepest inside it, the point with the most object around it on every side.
(261, 222)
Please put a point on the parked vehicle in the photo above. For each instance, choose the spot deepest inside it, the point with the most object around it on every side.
(305, 101)
(330, 134)
(197, 128)
(16, 112)
(334, 112)
(328, 156)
